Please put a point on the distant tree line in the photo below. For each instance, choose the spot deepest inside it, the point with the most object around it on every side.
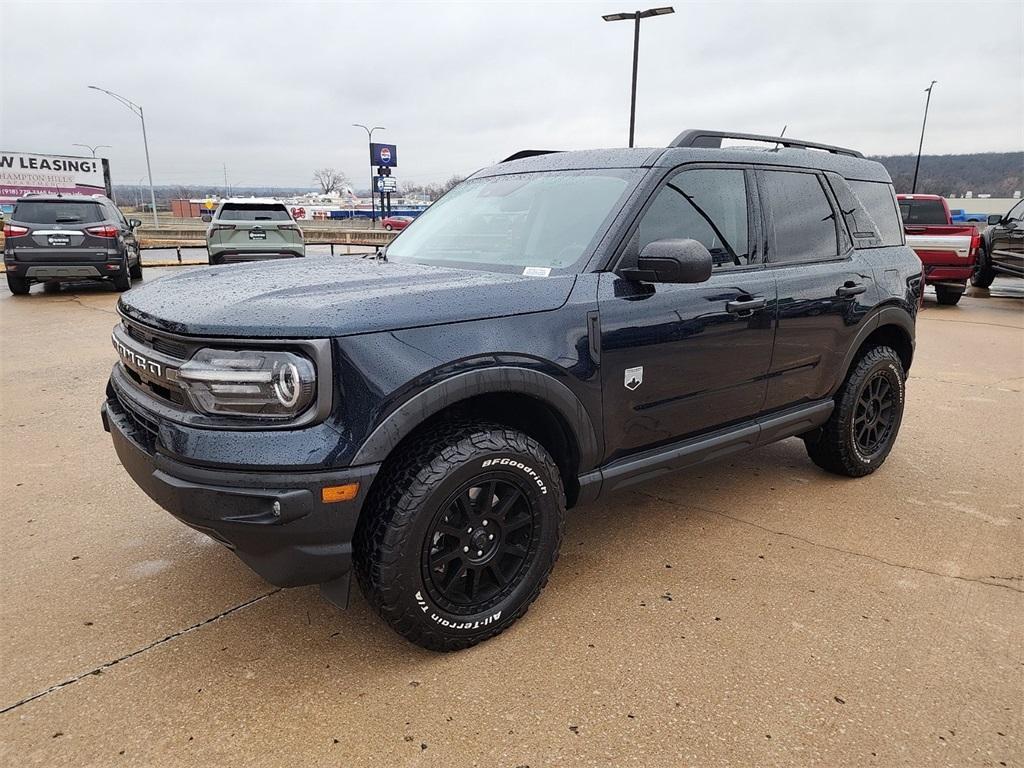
(998, 174)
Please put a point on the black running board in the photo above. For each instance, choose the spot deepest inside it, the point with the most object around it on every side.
(647, 465)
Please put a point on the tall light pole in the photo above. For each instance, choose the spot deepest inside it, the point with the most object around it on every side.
(369, 138)
(917, 165)
(92, 148)
(636, 16)
(145, 142)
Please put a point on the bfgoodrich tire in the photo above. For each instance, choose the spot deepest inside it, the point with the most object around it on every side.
(862, 429)
(460, 534)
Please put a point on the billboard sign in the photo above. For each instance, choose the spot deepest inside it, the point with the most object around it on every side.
(384, 155)
(25, 173)
(386, 183)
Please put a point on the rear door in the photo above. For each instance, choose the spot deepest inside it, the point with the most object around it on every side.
(823, 291)
(678, 360)
(59, 231)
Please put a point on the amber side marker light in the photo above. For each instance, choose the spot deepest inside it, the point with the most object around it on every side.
(332, 493)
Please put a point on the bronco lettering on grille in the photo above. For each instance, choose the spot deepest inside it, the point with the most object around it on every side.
(136, 360)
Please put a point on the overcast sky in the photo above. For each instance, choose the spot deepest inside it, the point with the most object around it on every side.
(272, 89)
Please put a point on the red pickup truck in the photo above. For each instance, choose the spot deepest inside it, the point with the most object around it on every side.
(948, 251)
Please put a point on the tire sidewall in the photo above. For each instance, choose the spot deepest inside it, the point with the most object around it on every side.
(889, 366)
(410, 589)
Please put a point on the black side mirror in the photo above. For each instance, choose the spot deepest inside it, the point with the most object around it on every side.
(994, 218)
(671, 261)
(207, 218)
(134, 223)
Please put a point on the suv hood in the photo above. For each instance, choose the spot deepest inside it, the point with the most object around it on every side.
(332, 296)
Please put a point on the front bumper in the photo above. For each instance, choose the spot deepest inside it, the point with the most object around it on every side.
(275, 522)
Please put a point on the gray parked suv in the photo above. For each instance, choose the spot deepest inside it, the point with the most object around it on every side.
(252, 230)
(52, 238)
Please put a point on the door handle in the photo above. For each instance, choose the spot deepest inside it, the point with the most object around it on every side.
(746, 305)
(850, 289)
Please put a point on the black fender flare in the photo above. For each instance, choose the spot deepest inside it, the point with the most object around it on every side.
(887, 315)
(435, 398)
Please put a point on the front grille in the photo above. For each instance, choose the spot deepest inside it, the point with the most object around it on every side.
(158, 342)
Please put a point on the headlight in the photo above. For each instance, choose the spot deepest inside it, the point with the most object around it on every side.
(225, 382)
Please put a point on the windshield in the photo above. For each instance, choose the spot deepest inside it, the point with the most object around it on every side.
(530, 223)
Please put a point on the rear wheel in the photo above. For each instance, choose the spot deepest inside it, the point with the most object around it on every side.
(460, 534)
(122, 280)
(136, 270)
(19, 285)
(947, 296)
(862, 429)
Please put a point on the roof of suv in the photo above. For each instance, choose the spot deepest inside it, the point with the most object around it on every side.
(63, 199)
(846, 163)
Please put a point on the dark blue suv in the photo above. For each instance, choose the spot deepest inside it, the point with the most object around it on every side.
(558, 326)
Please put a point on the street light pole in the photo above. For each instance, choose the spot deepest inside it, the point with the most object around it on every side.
(92, 148)
(145, 142)
(917, 165)
(636, 16)
(369, 138)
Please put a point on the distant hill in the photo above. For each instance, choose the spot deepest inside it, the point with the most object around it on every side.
(998, 174)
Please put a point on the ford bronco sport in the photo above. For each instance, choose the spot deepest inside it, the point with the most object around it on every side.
(557, 327)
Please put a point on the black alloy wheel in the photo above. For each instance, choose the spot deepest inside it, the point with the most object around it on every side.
(875, 414)
(479, 543)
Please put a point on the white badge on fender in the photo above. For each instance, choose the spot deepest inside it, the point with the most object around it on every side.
(634, 377)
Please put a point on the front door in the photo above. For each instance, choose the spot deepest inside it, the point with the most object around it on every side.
(678, 360)
(1008, 242)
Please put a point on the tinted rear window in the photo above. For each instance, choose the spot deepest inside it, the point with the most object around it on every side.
(247, 212)
(57, 212)
(805, 227)
(923, 212)
(878, 200)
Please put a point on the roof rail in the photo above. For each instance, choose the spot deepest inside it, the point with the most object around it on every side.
(529, 153)
(695, 137)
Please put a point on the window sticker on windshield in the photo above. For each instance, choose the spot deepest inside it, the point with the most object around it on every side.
(537, 271)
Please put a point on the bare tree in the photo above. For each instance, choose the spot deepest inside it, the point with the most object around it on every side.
(330, 180)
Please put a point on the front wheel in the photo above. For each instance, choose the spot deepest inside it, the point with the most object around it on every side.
(388, 227)
(983, 273)
(862, 429)
(460, 534)
(947, 296)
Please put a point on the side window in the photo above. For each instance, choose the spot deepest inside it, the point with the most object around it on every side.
(1016, 213)
(707, 205)
(803, 219)
(879, 201)
(115, 213)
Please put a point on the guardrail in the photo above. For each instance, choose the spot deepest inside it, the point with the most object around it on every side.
(171, 237)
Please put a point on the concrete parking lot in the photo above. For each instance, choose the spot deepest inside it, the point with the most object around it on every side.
(749, 612)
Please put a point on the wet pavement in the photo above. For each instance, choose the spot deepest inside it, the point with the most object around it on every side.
(748, 612)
